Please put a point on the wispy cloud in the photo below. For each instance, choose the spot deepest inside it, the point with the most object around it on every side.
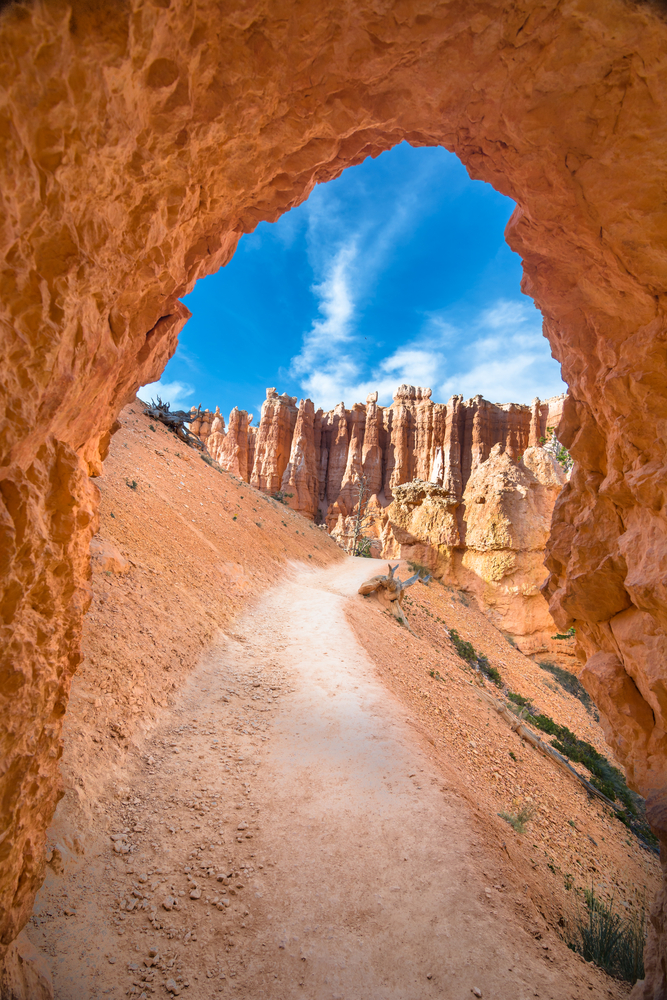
(336, 307)
(330, 366)
(499, 353)
(507, 359)
(174, 393)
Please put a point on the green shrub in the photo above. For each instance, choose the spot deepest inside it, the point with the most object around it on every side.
(518, 699)
(571, 632)
(419, 568)
(489, 671)
(519, 819)
(615, 943)
(604, 776)
(465, 649)
(364, 547)
(569, 682)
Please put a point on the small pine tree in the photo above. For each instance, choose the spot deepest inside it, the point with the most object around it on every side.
(558, 450)
(360, 544)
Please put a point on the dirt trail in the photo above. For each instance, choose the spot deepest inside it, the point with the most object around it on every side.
(328, 856)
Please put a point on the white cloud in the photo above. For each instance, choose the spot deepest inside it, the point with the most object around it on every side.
(508, 360)
(504, 314)
(499, 354)
(174, 393)
(337, 309)
(330, 366)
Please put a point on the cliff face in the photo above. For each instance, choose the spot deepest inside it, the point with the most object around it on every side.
(136, 153)
(321, 454)
(442, 483)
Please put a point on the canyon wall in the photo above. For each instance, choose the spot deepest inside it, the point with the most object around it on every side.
(142, 139)
(428, 469)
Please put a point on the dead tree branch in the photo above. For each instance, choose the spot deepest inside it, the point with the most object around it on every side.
(530, 737)
(390, 592)
(175, 420)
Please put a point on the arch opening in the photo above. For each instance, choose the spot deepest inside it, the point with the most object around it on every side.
(140, 147)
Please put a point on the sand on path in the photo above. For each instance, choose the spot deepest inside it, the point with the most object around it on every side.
(329, 855)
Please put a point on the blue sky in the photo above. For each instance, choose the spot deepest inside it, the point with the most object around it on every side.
(397, 271)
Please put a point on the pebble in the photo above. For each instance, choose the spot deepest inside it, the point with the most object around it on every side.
(172, 987)
(195, 894)
(242, 826)
(112, 960)
(168, 903)
(477, 992)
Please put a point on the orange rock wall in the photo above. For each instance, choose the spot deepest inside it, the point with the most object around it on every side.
(140, 142)
(414, 438)
(442, 454)
(273, 443)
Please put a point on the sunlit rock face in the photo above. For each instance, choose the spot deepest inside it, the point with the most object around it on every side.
(273, 442)
(230, 450)
(141, 139)
(456, 487)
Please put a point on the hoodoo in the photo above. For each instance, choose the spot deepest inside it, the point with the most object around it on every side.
(141, 140)
(464, 488)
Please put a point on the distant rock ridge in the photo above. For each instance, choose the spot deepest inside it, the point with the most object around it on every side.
(461, 487)
(317, 455)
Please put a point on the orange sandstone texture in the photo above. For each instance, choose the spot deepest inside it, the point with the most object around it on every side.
(140, 140)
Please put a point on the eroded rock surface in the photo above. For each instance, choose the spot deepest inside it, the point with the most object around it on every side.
(137, 151)
(456, 487)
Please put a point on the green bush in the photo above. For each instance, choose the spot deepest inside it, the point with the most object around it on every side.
(615, 943)
(491, 672)
(364, 547)
(569, 682)
(518, 699)
(416, 567)
(604, 776)
(465, 649)
(282, 497)
(519, 819)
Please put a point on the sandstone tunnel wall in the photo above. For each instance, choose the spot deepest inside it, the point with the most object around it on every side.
(141, 139)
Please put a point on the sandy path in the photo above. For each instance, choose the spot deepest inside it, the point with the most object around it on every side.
(357, 873)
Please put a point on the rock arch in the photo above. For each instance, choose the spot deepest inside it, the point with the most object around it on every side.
(141, 138)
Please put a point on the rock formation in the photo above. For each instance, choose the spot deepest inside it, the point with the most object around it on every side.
(412, 439)
(273, 443)
(136, 153)
(231, 449)
(489, 542)
(300, 478)
(428, 467)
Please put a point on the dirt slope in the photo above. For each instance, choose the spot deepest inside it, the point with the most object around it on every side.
(287, 783)
(243, 714)
(182, 548)
(573, 842)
